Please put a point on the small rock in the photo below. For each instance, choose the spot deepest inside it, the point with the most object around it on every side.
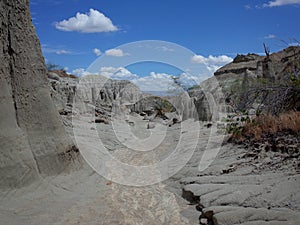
(150, 126)
(53, 76)
(131, 123)
(101, 120)
(204, 221)
(189, 196)
(208, 125)
(199, 207)
(207, 214)
(230, 169)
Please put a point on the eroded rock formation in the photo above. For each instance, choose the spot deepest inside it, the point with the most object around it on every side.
(98, 93)
(277, 65)
(256, 83)
(33, 141)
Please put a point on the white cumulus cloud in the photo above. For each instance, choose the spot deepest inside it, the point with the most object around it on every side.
(281, 3)
(188, 80)
(97, 51)
(212, 62)
(163, 82)
(158, 82)
(92, 22)
(120, 73)
(115, 52)
(80, 72)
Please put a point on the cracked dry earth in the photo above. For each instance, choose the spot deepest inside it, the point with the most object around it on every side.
(232, 190)
(240, 190)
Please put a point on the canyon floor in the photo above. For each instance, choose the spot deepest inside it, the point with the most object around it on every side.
(236, 188)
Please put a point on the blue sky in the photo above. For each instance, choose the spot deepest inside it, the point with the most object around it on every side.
(212, 30)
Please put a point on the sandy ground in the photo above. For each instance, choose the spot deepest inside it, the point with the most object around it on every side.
(232, 190)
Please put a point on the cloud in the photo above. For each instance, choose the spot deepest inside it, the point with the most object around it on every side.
(211, 59)
(115, 52)
(188, 80)
(157, 82)
(276, 3)
(80, 72)
(120, 73)
(97, 51)
(270, 36)
(92, 22)
(247, 7)
(212, 62)
(62, 52)
(163, 82)
(154, 82)
(57, 51)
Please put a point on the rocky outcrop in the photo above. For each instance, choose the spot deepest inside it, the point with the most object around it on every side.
(117, 94)
(251, 193)
(209, 100)
(256, 83)
(105, 98)
(276, 66)
(240, 64)
(32, 139)
(185, 106)
(96, 93)
(62, 91)
(151, 103)
(201, 104)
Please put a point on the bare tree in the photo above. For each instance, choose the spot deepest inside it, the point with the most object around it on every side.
(267, 50)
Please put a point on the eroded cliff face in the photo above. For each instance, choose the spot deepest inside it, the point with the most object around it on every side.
(252, 82)
(96, 92)
(276, 66)
(33, 141)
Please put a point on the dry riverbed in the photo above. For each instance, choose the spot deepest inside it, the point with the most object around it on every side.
(234, 189)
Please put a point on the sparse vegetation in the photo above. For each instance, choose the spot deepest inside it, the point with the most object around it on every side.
(276, 100)
(266, 124)
(162, 105)
(277, 88)
(236, 125)
(270, 124)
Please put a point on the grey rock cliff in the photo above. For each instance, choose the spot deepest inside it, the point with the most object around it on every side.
(94, 91)
(277, 65)
(248, 82)
(33, 141)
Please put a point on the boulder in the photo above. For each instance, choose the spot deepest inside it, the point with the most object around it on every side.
(53, 76)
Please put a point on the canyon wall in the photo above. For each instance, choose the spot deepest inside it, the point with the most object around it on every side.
(33, 141)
